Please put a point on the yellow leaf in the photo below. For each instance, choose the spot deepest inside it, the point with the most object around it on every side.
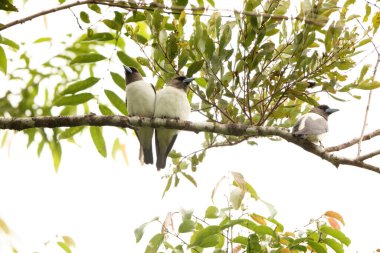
(335, 215)
(285, 250)
(68, 241)
(259, 219)
(4, 227)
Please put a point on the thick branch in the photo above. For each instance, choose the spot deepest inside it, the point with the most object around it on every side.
(225, 129)
(153, 6)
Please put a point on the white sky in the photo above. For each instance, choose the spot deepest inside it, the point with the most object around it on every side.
(99, 202)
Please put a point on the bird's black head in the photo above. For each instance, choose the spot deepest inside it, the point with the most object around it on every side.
(131, 74)
(181, 82)
(326, 109)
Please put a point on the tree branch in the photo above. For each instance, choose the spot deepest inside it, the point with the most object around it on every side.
(225, 129)
(153, 6)
(353, 141)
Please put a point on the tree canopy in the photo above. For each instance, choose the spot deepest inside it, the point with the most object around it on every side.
(257, 69)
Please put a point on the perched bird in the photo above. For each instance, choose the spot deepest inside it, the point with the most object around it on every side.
(313, 125)
(140, 100)
(171, 102)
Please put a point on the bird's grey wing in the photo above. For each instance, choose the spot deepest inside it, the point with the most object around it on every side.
(313, 126)
(170, 145)
(154, 89)
(296, 126)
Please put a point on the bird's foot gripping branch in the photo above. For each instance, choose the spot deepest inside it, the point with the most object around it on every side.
(247, 131)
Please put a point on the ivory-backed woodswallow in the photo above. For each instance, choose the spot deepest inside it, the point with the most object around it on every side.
(171, 102)
(140, 100)
(313, 125)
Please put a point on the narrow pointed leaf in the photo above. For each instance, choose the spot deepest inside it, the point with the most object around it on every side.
(74, 99)
(336, 234)
(155, 243)
(80, 85)
(129, 61)
(118, 80)
(3, 61)
(139, 232)
(87, 58)
(98, 139)
(116, 101)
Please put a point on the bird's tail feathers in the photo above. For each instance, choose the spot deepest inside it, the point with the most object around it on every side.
(146, 155)
(161, 162)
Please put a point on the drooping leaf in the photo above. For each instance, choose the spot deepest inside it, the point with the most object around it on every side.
(70, 132)
(87, 58)
(98, 139)
(95, 8)
(339, 235)
(186, 226)
(56, 151)
(155, 243)
(99, 37)
(105, 110)
(116, 101)
(118, 80)
(3, 61)
(84, 17)
(194, 67)
(206, 237)
(9, 43)
(129, 61)
(112, 24)
(80, 85)
(73, 99)
(139, 232)
(336, 246)
(318, 248)
(7, 6)
(64, 246)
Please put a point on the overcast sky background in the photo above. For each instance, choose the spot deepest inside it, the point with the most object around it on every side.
(99, 202)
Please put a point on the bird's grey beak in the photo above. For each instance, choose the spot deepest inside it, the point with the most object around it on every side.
(188, 80)
(330, 111)
(127, 69)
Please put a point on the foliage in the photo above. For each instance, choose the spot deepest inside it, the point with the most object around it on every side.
(238, 228)
(257, 67)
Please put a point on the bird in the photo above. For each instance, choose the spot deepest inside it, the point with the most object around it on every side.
(171, 102)
(140, 101)
(313, 125)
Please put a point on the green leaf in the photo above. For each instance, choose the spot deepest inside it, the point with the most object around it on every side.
(87, 58)
(168, 184)
(367, 12)
(84, 17)
(80, 85)
(368, 85)
(155, 243)
(236, 197)
(182, 59)
(64, 247)
(95, 8)
(41, 40)
(139, 232)
(186, 226)
(99, 37)
(116, 101)
(211, 2)
(9, 43)
(336, 246)
(201, 82)
(112, 24)
(98, 139)
(190, 178)
(105, 110)
(194, 68)
(73, 99)
(118, 80)
(56, 152)
(376, 21)
(317, 247)
(207, 237)
(212, 212)
(336, 234)
(171, 47)
(7, 6)
(3, 61)
(129, 61)
(226, 36)
(264, 230)
(70, 132)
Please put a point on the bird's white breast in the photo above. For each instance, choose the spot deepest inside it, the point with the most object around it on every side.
(312, 116)
(140, 99)
(172, 102)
